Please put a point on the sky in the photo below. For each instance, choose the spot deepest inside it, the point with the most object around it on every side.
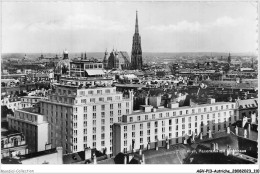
(30, 27)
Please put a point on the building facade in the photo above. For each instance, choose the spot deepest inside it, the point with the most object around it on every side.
(33, 125)
(136, 56)
(116, 60)
(176, 124)
(82, 116)
(12, 143)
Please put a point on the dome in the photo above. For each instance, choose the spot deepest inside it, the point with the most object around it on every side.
(62, 66)
(65, 52)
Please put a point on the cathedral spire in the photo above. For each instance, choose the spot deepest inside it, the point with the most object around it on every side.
(136, 23)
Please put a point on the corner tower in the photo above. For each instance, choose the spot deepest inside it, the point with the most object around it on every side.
(136, 55)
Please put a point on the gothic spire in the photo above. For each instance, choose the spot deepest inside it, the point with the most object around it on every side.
(136, 23)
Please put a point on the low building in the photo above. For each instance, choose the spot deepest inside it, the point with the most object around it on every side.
(152, 126)
(12, 143)
(248, 108)
(30, 101)
(34, 126)
(12, 103)
(50, 156)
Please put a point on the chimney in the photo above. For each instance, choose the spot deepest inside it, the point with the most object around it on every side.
(210, 134)
(156, 145)
(125, 159)
(167, 144)
(244, 121)
(94, 158)
(228, 130)
(245, 133)
(140, 151)
(185, 141)
(59, 155)
(87, 153)
(143, 159)
(148, 146)
(216, 146)
(236, 129)
(213, 146)
(201, 135)
(249, 128)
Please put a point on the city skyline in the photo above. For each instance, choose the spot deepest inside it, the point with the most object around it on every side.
(96, 26)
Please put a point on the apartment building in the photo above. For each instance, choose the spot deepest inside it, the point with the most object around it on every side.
(81, 114)
(33, 125)
(150, 125)
(30, 101)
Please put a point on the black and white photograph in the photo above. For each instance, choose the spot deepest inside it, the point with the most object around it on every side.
(98, 85)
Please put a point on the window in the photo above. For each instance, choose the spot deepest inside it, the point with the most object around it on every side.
(133, 127)
(141, 133)
(102, 107)
(94, 108)
(148, 125)
(119, 105)
(125, 143)
(187, 111)
(226, 106)
(160, 115)
(111, 120)
(85, 108)
(119, 112)
(125, 135)
(156, 124)
(101, 99)
(196, 124)
(167, 114)
(174, 113)
(208, 116)
(133, 134)
(109, 98)
(205, 109)
(92, 100)
(176, 121)
(201, 117)
(127, 111)
(99, 91)
(111, 113)
(125, 128)
(94, 122)
(196, 118)
(148, 132)
(153, 116)
(102, 121)
(111, 106)
(176, 134)
(189, 119)
(94, 137)
(146, 117)
(94, 115)
(131, 119)
(141, 126)
(183, 126)
(102, 114)
(127, 104)
(163, 129)
(183, 120)
(170, 122)
(180, 112)
(103, 129)
(210, 108)
(199, 110)
(138, 118)
(177, 127)
(141, 140)
(189, 125)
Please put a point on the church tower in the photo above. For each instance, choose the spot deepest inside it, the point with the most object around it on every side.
(136, 56)
(229, 59)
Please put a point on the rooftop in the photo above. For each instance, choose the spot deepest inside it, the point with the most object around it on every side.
(37, 154)
(5, 132)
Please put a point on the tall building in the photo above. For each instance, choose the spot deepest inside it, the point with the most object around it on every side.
(81, 113)
(229, 59)
(151, 126)
(33, 125)
(136, 57)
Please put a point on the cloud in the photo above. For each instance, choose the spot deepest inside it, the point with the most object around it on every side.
(184, 26)
(73, 22)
